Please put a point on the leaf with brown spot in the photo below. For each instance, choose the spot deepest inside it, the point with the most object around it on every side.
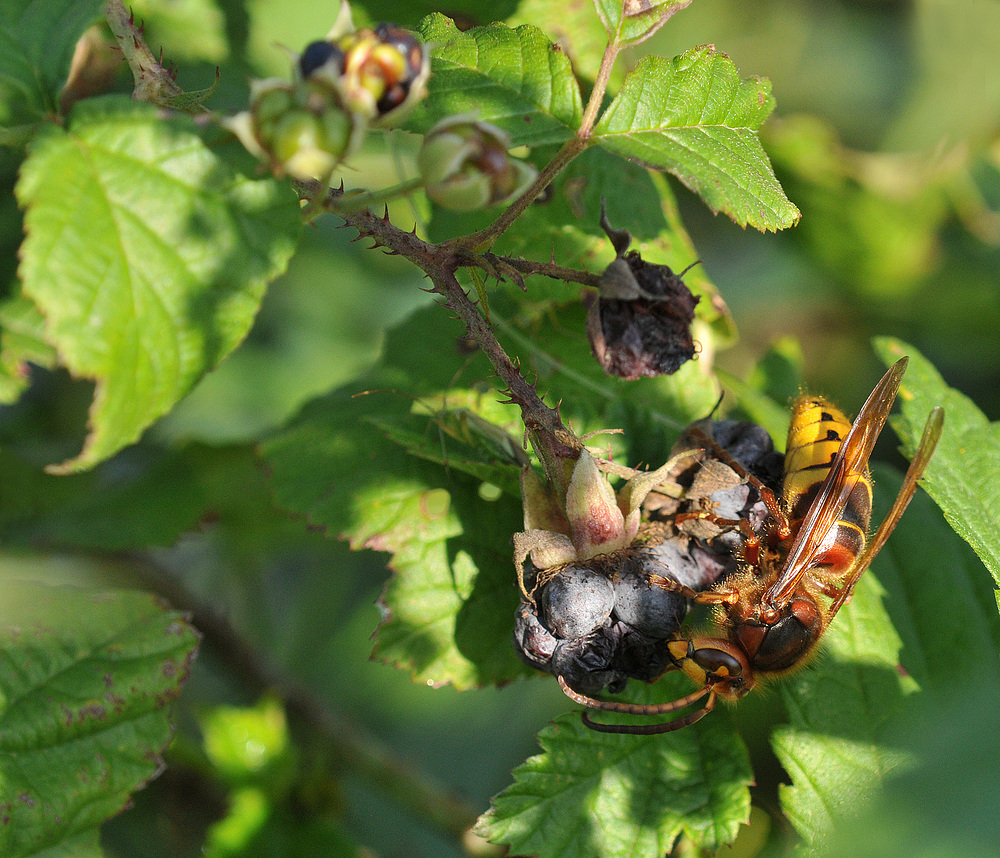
(83, 685)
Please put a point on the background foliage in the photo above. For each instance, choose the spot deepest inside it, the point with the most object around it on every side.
(885, 138)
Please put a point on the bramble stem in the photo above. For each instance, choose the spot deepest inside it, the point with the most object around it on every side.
(597, 93)
(353, 201)
(485, 238)
(546, 269)
(153, 83)
(552, 441)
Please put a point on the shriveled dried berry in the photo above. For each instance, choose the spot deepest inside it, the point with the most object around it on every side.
(640, 656)
(532, 641)
(640, 323)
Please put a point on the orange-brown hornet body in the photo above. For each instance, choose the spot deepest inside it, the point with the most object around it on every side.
(799, 568)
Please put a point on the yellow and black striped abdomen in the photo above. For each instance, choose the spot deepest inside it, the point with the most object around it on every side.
(816, 434)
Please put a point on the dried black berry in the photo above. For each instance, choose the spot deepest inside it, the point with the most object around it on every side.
(640, 323)
(640, 656)
(532, 641)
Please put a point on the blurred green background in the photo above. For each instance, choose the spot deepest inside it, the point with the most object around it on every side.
(887, 137)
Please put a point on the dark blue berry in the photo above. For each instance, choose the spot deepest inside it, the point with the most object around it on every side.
(640, 656)
(576, 601)
(646, 607)
(318, 54)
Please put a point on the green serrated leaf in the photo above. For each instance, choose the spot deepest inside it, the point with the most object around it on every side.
(567, 227)
(842, 711)
(957, 745)
(86, 845)
(629, 22)
(582, 36)
(84, 677)
(416, 362)
(601, 794)
(515, 79)
(36, 46)
(964, 475)
(449, 606)
(939, 597)
(694, 117)
(178, 246)
(408, 12)
(457, 435)
(849, 709)
(22, 341)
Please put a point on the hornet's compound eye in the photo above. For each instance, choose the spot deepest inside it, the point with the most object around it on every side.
(717, 663)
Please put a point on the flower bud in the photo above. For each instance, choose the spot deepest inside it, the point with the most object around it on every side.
(376, 72)
(299, 127)
(409, 85)
(465, 165)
